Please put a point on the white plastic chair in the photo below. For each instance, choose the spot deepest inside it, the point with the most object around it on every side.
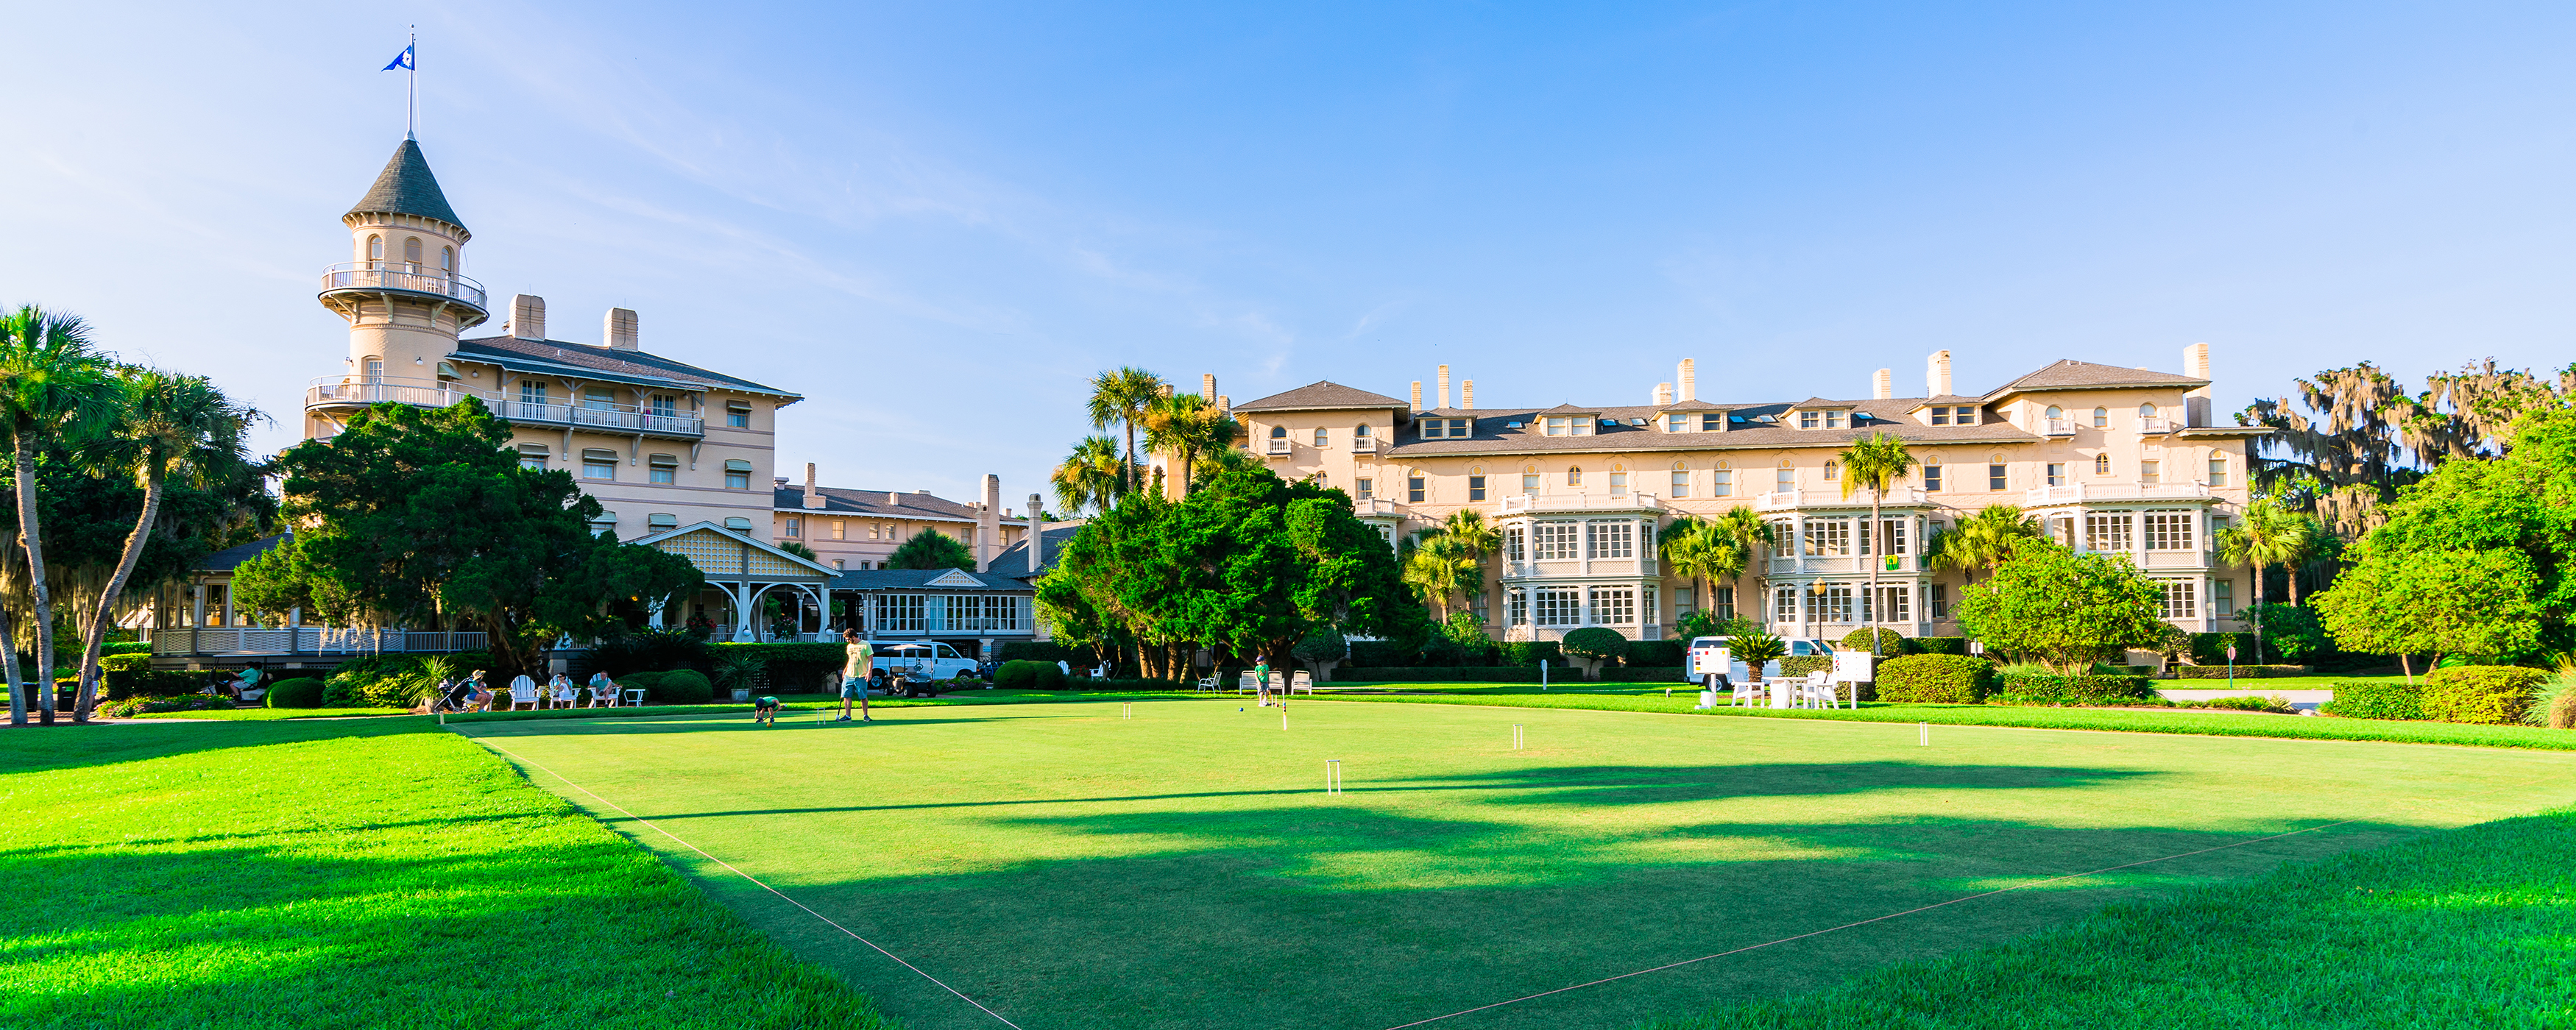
(604, 697)
(1746, 694)
(1817, 691)
(1248, 684)
(1208, 682)
(1303, 680)
(522, 691)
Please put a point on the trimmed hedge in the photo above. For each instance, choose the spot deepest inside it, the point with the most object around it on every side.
(123, 684)
(789, 668)
(125, 662)
(1645, 674)
(1049, 652)
(2375, 700)
(1655, 654)
(1804, 664)
(1937, 645)
(1954, 679)
(2243, 672)
(1885, 643)
(1029, 674)
(1446, 674)
(2485, 695)
(2071, 690)
(300, 692)
(683, 687)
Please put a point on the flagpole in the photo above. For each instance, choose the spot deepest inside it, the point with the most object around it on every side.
(411, 97)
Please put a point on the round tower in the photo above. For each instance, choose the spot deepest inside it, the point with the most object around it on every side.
(403, 291)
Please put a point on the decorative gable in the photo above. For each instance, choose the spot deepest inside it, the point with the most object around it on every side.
(955, 578)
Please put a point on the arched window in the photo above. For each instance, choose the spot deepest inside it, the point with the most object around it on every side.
(1618, 480)
(2101, 418)
(1529, 480)
(1574, 475)
(1932, 472)
(1681, 480)
(2147, 410)
(1784, 477)
(411, 249)
(375, 248)
(2056, 414)
(2101, 464)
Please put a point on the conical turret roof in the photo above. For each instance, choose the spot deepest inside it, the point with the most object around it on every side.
(406, 188)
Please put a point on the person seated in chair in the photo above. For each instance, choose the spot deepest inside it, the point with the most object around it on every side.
(479, 696)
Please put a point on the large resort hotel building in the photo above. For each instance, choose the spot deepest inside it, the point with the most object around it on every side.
(2121, 460)
(680, 457)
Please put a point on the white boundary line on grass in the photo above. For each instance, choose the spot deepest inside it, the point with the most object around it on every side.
(1911, 911)
(756, 881)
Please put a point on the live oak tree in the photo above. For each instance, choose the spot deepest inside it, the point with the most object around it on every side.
(415, 513)
(2063, 609)
(1247, 562)
(2478, 558)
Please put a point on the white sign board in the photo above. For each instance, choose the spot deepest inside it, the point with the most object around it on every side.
(1853, 666)
(1708, 661)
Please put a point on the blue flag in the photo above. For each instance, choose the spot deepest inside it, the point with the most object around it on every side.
(401, 60)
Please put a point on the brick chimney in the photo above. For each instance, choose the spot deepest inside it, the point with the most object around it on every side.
(1663, 394)
(1417, 396)
(1467, 395)
(1444, 386)
(1037, 533)
(621, 329)
(1936, 373)
(1882, 387)
(1207, 387)
(988, 523)
(813, 493)
(1690, 380)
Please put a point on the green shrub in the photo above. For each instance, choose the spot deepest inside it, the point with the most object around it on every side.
(649, 682)
(1594, 646)
(1954, 679)
(786, 668)
(2554, 704)
(125, 647)
(683, 687)
(380, 681)
(2211, 648)
(125, 662)
(123, 684)
(1530, 652)
(1048, 651)
(2243, 672)
(300, 692)
(2249, 703)
(2022, 689)
(1885, 643)
(1655, 654)
(1937, 645)
(133, 706)
(1800, 665)
(1026, 675)
(1645, 674)
(2375, 699)
(2486, 695)
(1431, 674)
(643, 650)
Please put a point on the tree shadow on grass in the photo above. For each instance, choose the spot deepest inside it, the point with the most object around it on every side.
(113, 744)
(1346, 916)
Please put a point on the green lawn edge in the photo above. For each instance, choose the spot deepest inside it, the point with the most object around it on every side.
(2139, 720)
(2471, 927)
(303, 875)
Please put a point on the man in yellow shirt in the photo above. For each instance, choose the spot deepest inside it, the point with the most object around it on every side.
(856, 670)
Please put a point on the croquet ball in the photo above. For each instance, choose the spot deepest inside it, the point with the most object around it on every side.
(1238, 709)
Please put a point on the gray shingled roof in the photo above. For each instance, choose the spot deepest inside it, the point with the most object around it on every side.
(2072, 374)
(844, 501)
(1014, 560)
(1320, 396)
(583, 361)
(918, 579)
(231, 558)
(1888, 416)
(405, 187)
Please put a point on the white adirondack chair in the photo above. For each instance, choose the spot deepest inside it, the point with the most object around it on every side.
(1303, 681)
(523, 691)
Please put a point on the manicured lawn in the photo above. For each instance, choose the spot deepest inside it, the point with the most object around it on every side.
(2197, 722)
(2469, 929)
(271, 714)
(1182, 868)
(377, 873)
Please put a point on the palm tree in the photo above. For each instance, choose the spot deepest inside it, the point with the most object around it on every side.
(1090, 476)
(52, 388)
(1476, 539)
(2268, 535)
(1189, 428)
(1983, 540)
(167, 425)
(1702, 551)
(1876, 463)
(1437, 566)
(1120, 396)
(1744, 526)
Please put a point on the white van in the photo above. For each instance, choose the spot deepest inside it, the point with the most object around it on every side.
(1702, 657)
(921, 660)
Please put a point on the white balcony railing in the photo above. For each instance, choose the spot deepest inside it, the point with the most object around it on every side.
(2155, 426)
(1364, 445)
(2078, 492)
(402, 277)
(2058, 427)
(1787, 500)
(603, 416)
(1529, 503)
(219, 640)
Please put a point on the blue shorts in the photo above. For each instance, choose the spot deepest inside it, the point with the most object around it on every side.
(851, 689)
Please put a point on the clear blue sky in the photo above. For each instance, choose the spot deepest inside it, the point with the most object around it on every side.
(936, 219)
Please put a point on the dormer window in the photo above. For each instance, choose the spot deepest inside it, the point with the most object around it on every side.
(1677, 423)
(1823, 419)
(1569, 425)
(1962, 415)
(1445, 428)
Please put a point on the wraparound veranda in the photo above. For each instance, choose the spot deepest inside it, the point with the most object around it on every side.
(1179, 864)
